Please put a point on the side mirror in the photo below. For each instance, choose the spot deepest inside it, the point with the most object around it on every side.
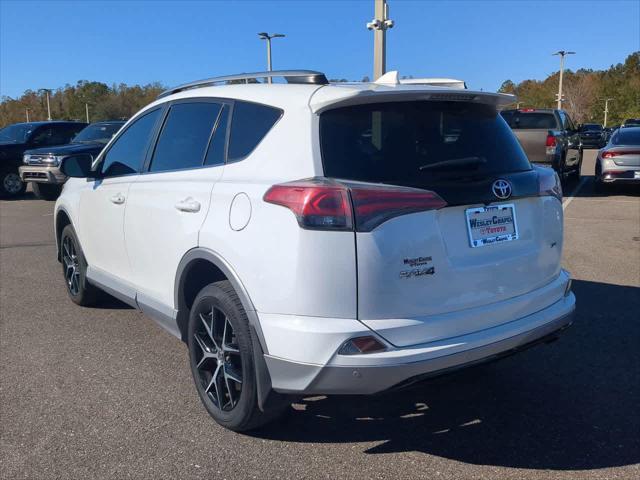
(77, 166)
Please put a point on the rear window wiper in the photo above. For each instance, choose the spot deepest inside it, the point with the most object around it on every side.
(453, 163)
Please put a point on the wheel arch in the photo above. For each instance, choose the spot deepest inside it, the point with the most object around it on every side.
(201, 266)
(62, 220)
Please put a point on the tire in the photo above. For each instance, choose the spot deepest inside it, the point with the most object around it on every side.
(221, 359)
(74, 269)
(577, 173)
(10, 184)
(46, 191)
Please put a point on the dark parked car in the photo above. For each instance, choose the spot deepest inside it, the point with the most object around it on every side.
(631, 122)
(548, 137)
(16, 138)
(593, 135)
(41, 166)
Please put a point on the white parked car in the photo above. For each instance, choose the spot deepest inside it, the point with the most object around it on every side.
(311, 238)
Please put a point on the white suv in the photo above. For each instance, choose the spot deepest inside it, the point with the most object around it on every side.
(314, 238)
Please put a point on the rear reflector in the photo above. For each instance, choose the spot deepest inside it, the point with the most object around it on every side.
(323, 204)
(361, 345)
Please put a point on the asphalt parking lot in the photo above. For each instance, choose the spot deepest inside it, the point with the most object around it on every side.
(105, 393)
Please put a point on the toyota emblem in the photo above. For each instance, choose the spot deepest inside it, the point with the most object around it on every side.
(501, 189)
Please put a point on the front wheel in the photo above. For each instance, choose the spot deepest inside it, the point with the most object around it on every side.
(221, 359)
(46, 191)
(11, 185)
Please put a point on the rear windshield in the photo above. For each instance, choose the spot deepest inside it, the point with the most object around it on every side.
(417, 143)
(591, 126)
(627, 136)
(530, 120)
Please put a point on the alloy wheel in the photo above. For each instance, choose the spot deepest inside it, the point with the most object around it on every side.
(217, 358)
(12, 183)
(71, 265)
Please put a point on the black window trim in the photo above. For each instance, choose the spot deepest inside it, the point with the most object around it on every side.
(153, 135)
(167, 108)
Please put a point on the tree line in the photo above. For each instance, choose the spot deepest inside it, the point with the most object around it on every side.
(585, 92)
(104, 102)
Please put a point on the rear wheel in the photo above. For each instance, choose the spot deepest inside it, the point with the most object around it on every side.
(10, 184)
(74, 269)
(46, 191)
(221, 359)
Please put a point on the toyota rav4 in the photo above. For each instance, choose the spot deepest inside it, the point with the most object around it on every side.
(304, 237)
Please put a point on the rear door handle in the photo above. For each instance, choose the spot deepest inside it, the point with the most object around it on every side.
(118, 199)
(188, 205)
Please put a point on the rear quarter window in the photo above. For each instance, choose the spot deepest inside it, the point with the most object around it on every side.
(399, 143)
(249, 125)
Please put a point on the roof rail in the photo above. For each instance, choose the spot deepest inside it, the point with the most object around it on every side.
(309, 77)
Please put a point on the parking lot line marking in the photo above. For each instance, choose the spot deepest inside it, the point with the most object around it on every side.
(572, 195)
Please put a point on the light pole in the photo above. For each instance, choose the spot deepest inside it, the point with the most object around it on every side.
(86, 109)
(606, 110)
(27, 112)
(267, 37)
(380, 24)
(562, 54)
(47, 91)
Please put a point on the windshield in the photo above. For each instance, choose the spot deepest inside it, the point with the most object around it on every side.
(15, 133)
(530, 120)
(628, 136)
(417, 143)
(99, 132)
(591, 127)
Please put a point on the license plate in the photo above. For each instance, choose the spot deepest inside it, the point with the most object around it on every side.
(494, 224)
(636, 174)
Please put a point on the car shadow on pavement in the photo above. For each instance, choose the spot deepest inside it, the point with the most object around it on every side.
(570, 405)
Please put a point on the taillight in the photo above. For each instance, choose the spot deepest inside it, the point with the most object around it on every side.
(549, 183)
(610, 154)
(316, 204)
(551, 144)
(323, 204)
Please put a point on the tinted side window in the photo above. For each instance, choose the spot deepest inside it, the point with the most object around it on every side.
(127, 154)
(250, 123)
(185, 136)
(215, 155)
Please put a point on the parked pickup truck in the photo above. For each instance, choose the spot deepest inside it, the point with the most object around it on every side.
(41, 166)
(16, 138)
(548, 137)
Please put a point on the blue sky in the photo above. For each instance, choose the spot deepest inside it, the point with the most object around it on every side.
(51, 43)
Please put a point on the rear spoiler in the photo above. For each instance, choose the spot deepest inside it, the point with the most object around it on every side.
(325, 99)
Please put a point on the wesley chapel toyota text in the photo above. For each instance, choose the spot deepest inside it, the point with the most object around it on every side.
(311, 238)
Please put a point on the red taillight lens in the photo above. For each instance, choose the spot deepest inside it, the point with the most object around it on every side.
(375, 205)
(323, 204)
(315, 205)
(551, 141)
(549, 183)
(610, 154)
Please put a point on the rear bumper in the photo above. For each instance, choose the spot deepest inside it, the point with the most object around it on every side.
(42, 174)
(372, 373)
(620, 174)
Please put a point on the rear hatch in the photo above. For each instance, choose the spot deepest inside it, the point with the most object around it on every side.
(532, 129)
(418, 271)
(624, 149)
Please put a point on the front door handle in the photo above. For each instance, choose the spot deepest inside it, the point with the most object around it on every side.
(118, 199)
(188, 205)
